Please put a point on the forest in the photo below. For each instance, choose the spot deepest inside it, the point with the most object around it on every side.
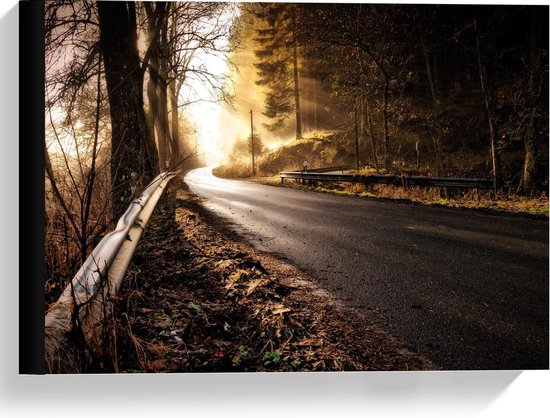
(119, 76)
(134, 89)
(444, 90)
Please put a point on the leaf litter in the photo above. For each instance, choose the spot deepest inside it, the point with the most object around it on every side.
(201, 300)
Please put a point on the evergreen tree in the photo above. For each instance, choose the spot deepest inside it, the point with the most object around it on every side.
(277, 65)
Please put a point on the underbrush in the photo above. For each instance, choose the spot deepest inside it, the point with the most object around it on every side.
(237, 170)
(329, 149)
(196, 301)
(472, 199)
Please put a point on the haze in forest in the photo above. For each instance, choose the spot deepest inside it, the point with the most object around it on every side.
(433, 104)
(137, 88)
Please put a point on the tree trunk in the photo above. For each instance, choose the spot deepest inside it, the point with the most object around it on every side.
(429, 70)
(173, 93)
(385, 98)
(371, 132)
(296, 87)
(458, 77)
(164, 132)
(174, 118)
(356, 138)
(385, 120)
(435, 99)
(530, 162)
(133, 161)
(315, 103)
(487, 96)
(531, 140)
(152, 84)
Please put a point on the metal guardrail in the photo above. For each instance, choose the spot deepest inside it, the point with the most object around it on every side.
(86, 299)
(327, 169)
(406, 181)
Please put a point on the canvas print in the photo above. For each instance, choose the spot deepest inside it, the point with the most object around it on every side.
(292, 187)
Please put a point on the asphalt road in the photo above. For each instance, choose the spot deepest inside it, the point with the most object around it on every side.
(467, 290)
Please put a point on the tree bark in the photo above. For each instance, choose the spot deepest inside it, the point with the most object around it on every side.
(152, 84)
(164, 132)
(296, 84)
(133, 160)
(174, 118)
(173, 93)
(385, 119)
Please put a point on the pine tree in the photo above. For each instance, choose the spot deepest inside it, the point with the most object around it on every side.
(277, 66)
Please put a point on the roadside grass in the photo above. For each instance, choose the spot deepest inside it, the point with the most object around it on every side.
(471, 199)
(233, 171)
(198, 299)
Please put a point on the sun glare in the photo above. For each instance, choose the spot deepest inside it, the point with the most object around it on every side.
(63, 142)
(216, 126)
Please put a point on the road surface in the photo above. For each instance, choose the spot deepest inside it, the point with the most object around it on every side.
(467, 290)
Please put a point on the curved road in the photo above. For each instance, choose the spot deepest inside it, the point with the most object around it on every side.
(467, 290)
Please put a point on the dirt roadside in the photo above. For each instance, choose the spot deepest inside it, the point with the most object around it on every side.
(199, 299)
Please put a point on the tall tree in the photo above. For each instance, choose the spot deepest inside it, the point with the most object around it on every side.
(178, 33)
(535, 106)
(155, 17)
(373, 30)
(133, 157)
(278, 62)
(488, 90)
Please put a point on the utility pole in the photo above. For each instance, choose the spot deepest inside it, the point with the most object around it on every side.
(196, 151)
(252, 143)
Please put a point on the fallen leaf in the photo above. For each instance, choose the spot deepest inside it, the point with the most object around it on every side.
(309, 342)
(254, 284)
(157, 365)
(279, 309)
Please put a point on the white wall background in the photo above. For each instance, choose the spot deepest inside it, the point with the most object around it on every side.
(393, 394)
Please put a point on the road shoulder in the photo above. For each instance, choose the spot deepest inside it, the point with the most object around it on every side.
(200, 299)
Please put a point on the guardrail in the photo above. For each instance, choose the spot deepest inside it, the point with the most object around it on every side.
(405, 181)
(327, 169)
(86, 300)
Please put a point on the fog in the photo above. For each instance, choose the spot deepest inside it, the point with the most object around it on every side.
(220, 124)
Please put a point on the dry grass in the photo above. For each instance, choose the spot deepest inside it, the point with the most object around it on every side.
(200, 301)
(237, 171)
(472, 199)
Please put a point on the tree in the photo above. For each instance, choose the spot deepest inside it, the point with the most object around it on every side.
(179, 34)
(155, 18)
(134, 159)
(536, 104)
(76, 161)
(278, 62)
(371, 34)
(488, 90)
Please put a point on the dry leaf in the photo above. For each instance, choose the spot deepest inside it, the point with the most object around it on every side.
(280, 311)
